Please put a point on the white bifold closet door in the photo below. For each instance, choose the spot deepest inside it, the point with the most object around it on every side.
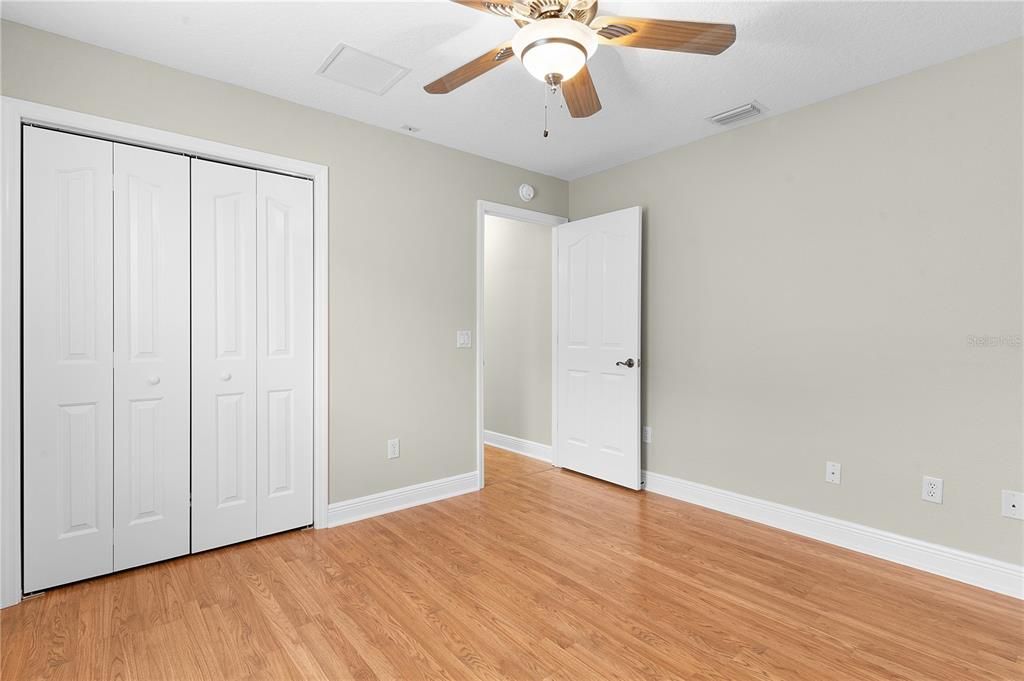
(68, 354)
(106, 347)
(252, 354)
(223, 354)
(151, 356)
(168, 355)
(284, 346)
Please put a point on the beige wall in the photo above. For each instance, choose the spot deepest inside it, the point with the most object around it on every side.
(810, 284)
(517, 329)
(402, 232)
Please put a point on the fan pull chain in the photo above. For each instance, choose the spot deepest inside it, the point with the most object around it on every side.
(545, 112)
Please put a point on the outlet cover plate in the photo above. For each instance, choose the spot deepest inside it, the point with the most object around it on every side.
(833, 472)
(394, 448)
(1013, 504)
(648, 434)
(931, 489)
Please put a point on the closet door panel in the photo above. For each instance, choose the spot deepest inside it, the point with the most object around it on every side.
(151, 356)
(284, 234)
(224, 498)
(67, 358)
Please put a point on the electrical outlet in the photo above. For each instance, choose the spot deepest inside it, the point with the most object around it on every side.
(931, 489)
(648, 434)
(833, 472)
(1013, 504)
(394, 448)
(463, 339)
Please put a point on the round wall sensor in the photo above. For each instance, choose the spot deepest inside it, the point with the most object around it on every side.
(526, 192)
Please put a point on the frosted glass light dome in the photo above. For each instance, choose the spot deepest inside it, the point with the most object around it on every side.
(553, 50)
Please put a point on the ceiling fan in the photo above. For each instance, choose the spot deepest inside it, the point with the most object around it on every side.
(556, 38)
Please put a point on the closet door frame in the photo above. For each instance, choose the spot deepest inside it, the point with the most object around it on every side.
(16, 113)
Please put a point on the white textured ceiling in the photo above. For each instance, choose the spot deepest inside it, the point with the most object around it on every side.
(786, 55)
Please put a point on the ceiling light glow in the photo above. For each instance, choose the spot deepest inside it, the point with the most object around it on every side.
(554, 50)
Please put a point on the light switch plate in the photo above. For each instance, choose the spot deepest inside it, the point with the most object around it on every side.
(463, 339)
(1013, 504)
(648, 434)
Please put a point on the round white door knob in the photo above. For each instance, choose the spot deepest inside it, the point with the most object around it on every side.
(154, 380)
(225, 376)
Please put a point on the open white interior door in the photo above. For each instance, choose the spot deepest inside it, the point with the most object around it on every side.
(597, 427)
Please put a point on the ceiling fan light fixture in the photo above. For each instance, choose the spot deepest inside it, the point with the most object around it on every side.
(554, 50)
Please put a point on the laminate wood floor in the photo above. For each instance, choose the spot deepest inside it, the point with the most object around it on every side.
(549, 575)
(501, 465)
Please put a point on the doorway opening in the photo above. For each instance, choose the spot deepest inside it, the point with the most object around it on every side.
(515, 341)
(586, 282)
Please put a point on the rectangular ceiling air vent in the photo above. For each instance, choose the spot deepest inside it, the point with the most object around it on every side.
(352, 67)
(737, 114)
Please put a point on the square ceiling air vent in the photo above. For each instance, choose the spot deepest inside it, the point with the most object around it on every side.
(349, 66)
(737, 114)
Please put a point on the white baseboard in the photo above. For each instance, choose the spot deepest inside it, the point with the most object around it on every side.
(534, 450)
(349, 511)
(987, 573)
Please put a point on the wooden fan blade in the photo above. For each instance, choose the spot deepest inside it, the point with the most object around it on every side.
(503, 8)
(467, 72)
(580, 95)
(664, 34)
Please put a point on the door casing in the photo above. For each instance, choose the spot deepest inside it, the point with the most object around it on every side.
(483, 210)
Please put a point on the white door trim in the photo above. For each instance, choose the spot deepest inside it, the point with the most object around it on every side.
(483, 209)
(14, 113)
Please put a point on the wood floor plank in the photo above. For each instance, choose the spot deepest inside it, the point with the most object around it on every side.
(501, 465)
(544, 574)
